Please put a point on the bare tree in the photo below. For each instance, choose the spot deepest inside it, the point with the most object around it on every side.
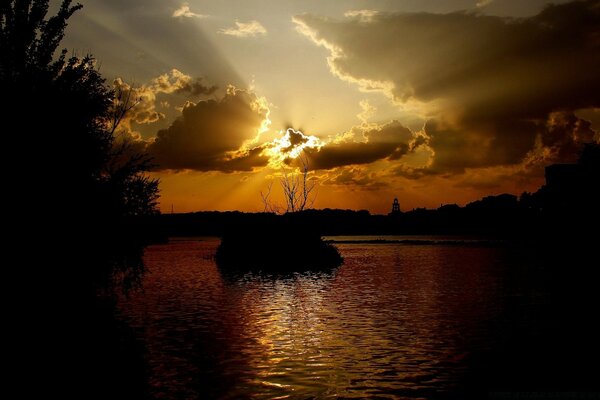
(289, 184)
(298, 190)
(269, 206)
(307, 197)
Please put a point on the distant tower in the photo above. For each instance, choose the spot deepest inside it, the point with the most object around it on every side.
(395, 206)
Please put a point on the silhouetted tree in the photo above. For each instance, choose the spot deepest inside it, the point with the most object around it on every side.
(65, 117)
(268, 205)
(298, 191)
(78, 195)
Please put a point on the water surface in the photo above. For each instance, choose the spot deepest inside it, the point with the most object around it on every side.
(394, 321)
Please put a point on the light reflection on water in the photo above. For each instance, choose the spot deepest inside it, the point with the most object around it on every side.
(395, 321)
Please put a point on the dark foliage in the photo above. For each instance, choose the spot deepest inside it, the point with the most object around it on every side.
(80, 206)
(280, 245)
(72, 170)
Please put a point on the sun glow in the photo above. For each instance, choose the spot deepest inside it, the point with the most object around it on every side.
(290, 145)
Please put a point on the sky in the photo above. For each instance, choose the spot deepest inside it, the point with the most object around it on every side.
(432, 102)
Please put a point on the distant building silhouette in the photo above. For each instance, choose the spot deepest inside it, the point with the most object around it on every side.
(395, 207)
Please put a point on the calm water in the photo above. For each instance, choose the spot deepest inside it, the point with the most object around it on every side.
(394, 321)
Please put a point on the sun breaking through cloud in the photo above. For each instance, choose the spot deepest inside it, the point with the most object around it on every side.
(490, 86)
(210, 135)
(419, 100)
(291, 145)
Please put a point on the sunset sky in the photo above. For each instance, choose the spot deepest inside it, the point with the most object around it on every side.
(433, 102)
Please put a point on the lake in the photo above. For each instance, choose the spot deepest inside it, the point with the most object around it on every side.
(396, 320)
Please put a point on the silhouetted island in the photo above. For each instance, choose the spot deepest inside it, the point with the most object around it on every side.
(278, 243)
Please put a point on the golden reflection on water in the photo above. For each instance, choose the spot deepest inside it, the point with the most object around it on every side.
(393, 321)
(287, 320)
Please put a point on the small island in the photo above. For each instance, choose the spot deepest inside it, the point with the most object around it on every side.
(280, 243)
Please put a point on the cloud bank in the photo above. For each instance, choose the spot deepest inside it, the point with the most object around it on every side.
(212, 135)
(143, 99)
(495, 91)
(390, 141)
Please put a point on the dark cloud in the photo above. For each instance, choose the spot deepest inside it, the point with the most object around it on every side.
(336, 155)
(561, 139)
(483, 144)
(565, 133)
(489, 83)
(296, 138)
(245, 160)
(390, 141)
(430, 56)
(209, 135)
(196, 88)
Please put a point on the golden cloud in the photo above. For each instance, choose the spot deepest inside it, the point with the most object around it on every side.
(490, 85)
(213, 135)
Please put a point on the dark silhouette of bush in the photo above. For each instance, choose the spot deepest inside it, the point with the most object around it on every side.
(79, 205)
(73, 171)
(277, 244)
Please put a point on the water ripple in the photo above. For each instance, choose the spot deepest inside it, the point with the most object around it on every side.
(392, 322)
